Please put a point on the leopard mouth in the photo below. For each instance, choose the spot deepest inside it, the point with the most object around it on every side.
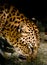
(22, 57)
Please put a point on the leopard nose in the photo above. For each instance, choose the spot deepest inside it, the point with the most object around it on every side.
(22, 57)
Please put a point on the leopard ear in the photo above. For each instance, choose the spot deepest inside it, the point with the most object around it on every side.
(5, 46)
(4, 42)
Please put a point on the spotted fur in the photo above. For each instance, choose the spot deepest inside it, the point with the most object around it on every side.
(19, 31)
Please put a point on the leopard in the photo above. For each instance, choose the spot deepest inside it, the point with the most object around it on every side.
(21, 32)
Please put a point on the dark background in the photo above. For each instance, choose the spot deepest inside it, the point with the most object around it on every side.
(31, 8)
